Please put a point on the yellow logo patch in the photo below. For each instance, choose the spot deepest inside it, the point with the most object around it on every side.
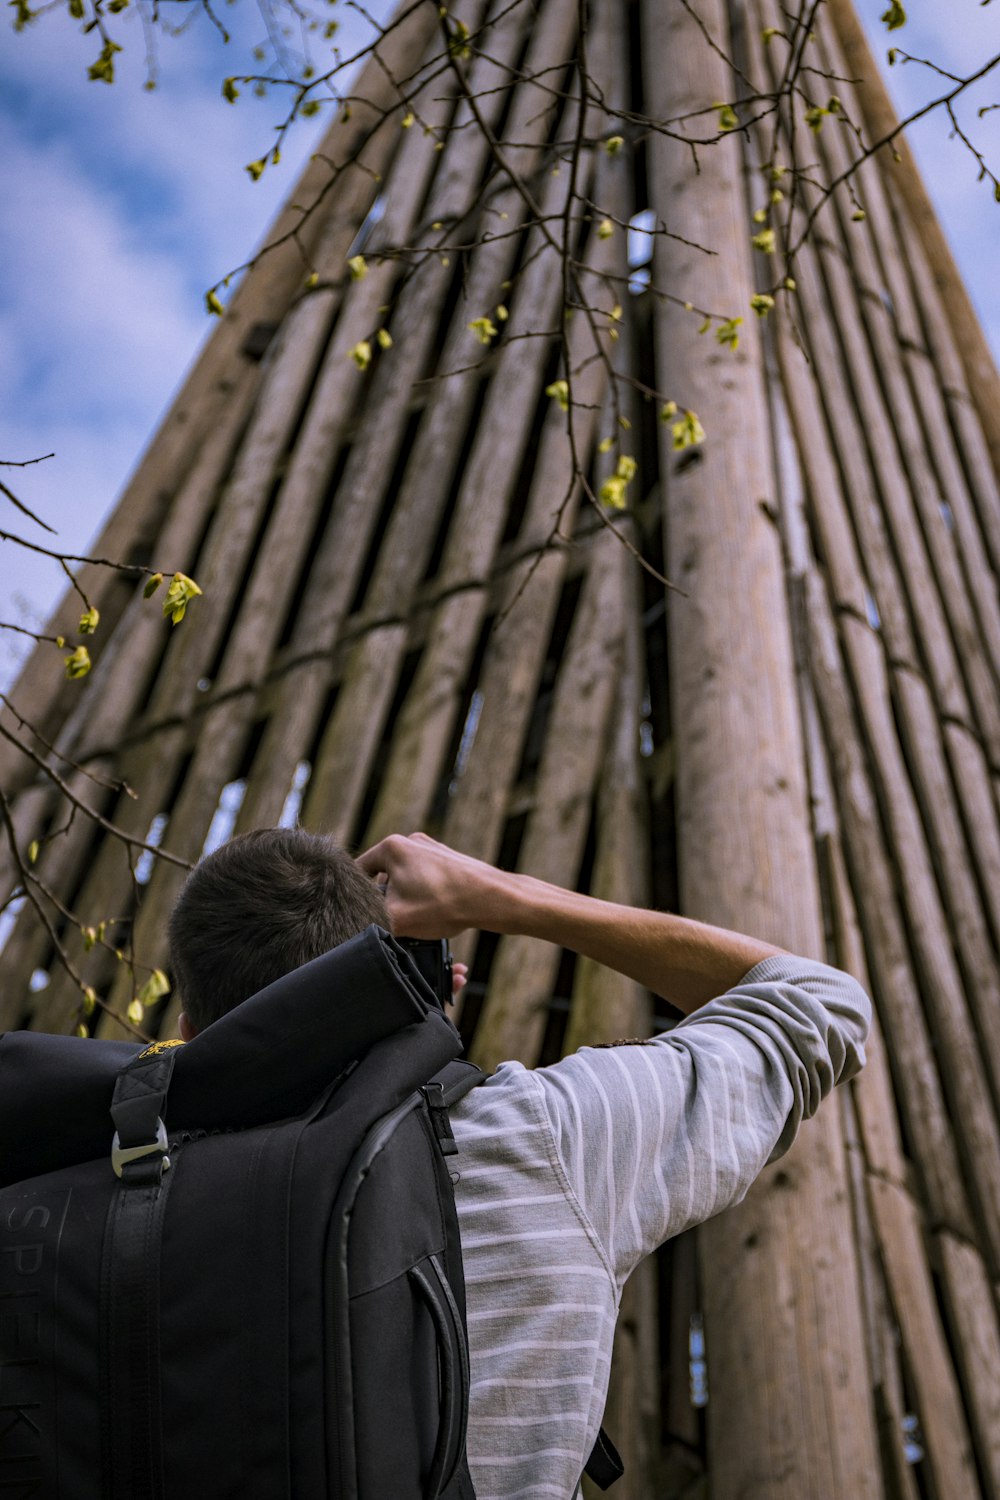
(155, 1047)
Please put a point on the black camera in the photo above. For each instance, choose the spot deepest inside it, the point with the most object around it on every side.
(432, 957)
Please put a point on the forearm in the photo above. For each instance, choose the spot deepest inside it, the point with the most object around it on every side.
(687, 962)
(434, 891)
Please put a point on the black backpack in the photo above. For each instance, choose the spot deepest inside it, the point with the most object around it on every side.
(231, 1270)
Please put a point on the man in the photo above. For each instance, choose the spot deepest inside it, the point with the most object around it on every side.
(568, 1175)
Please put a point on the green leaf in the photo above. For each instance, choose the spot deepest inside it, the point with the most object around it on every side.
(358, 267)
(614, 144)
(256, 169)
(765, 241)
(361, 354)
(230, 91)
(762, 302)
(152, 584)
(34, 848)
(213, 304)
(894, 17)
(134, 1012)
(559, 391)
(605, 229)
(89, 620)
(728, 118)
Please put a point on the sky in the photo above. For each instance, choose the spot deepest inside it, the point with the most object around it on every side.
(121, 206)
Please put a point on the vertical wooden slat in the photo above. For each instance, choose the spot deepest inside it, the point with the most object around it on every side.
(784, 1412)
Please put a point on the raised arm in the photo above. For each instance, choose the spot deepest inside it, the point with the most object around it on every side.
(433, 891)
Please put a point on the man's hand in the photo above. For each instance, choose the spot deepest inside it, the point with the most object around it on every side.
(433, 891)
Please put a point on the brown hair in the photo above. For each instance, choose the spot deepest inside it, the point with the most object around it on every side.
(258, 907)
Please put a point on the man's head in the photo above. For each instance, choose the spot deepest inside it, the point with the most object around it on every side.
(260, 906)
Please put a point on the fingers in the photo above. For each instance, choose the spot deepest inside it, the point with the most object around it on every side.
(459, 977)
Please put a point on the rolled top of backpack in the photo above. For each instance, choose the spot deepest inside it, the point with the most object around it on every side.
(266, 1060)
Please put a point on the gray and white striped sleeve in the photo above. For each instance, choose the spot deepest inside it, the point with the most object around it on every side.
(657, 1137)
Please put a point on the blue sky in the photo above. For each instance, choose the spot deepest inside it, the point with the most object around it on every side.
(121, 206)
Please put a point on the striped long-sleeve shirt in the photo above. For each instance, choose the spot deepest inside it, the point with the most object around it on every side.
(569, 1175)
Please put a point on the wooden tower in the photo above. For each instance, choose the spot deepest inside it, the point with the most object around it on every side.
(414, 614)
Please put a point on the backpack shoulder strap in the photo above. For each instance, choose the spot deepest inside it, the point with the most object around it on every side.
(456, 1079)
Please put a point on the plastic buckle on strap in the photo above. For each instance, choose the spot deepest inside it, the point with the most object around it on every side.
(122, 1155)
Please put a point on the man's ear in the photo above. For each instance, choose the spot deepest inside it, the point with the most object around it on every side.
(188, 1032)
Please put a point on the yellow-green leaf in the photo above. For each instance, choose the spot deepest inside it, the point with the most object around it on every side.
(180, 591)
(727, 332)
(762, 302)
(34, 849)
(384, 338)
(894, 17)
(605, 229)
(134, 1012)
(156, 986)
(765, 241)
(78, 662)
(230, 91)
(361, 354)
(152, 584)
(668, 411)
(612, 492)
(614, 144)
(688, 432)
(358, 267)
(559, 391)
(89, 620)
(213, 304)
(484, 329)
